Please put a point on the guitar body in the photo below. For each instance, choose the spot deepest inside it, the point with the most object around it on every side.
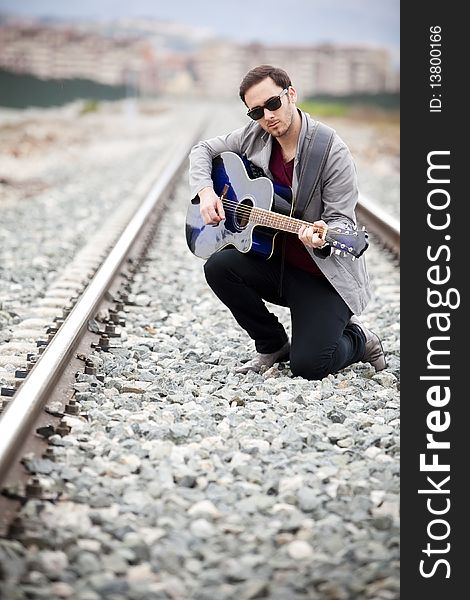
(243, 192)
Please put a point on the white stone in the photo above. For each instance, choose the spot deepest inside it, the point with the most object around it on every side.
(299, 550)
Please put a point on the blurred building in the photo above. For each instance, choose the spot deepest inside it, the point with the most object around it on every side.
(321, 69)
(64, 52)
(160, 58)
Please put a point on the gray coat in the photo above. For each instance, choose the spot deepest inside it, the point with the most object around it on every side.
(334, 200)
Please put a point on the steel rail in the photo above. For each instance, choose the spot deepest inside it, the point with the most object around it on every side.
(376, 220)
(25, 407)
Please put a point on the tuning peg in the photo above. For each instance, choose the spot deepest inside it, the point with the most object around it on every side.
(353, 258)
(344, 254)
(363, 228)
(337, 251)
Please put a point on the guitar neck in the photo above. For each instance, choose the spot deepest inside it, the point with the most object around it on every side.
(260, 216)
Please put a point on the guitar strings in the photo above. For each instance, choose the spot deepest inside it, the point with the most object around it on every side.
(244, 210)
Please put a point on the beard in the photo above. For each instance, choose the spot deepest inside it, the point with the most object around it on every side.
(282, 125)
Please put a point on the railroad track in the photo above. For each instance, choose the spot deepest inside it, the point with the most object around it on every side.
(150, 472)
(40, 399)
(377, 222)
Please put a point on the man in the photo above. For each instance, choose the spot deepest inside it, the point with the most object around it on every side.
(322, 290)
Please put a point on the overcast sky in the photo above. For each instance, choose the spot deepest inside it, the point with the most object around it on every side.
(374, 22)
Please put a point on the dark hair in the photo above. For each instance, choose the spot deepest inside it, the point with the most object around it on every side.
(279, 76)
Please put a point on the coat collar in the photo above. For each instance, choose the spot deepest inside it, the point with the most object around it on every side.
(306, 131)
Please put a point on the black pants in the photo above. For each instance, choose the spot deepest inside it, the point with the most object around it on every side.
(322, 342)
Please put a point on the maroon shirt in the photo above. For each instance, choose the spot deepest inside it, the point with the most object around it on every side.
(295, 252)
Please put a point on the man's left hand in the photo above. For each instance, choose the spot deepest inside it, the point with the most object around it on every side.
(309, 237)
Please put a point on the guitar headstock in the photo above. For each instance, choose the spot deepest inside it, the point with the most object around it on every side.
(348, 241)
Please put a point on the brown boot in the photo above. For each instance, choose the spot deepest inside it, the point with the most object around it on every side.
(261, 361)
(374, 352)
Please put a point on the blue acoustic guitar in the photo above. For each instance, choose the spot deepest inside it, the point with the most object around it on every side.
(255, 210)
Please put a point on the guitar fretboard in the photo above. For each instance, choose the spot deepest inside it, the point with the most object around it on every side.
(260, 216)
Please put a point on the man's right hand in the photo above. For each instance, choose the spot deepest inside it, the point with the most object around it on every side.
(212, 210)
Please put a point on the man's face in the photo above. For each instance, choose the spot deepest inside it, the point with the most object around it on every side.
(276, 122)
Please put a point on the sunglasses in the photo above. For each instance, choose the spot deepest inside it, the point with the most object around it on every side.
(272, 103)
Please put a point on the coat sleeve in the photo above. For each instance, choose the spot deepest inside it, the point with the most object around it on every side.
(202, 154)
(339, 191)
(339, 187)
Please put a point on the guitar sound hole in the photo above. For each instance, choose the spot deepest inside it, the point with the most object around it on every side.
(242, 213)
